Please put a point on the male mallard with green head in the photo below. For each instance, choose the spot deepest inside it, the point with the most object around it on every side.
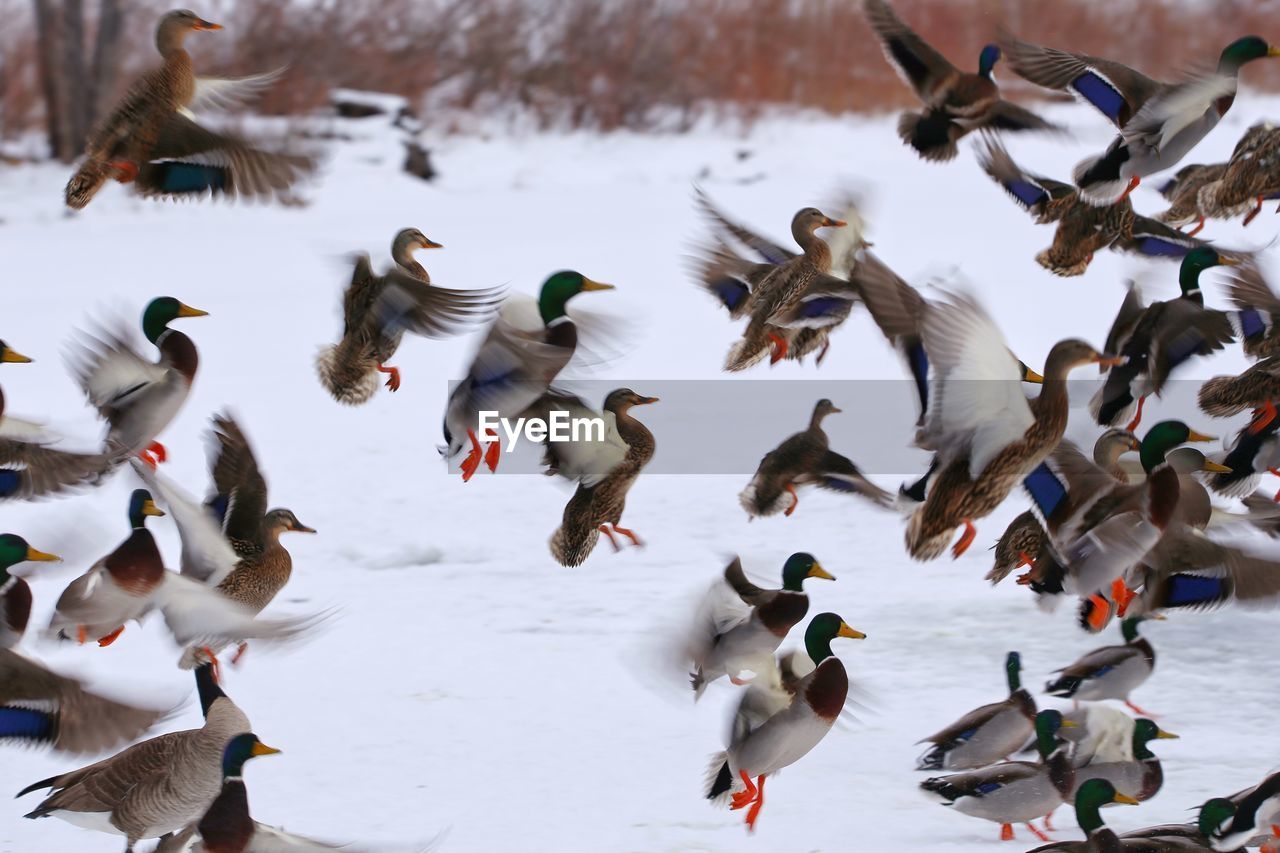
(791, 733)
(1250, 817)
(1109, 672)
(957, 102)
(524, 351)
(378, 309)
(987, 734)
(1158, 123)
(138, 398)
(740, 632)
(1099, 838)
(151, 140)
(1140, 777)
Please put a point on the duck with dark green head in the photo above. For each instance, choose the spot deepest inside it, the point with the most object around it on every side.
(958, 102)
(792, 732)
(987, 734)
(1158, 123)
(32, 468)
(1140, 777)
(1156, 339)
(1014, 791)
(721, 644)
(15, 594)
(137, 398)
(1110, 672)
(227, 826)
(1099, 838)
(378, 309)
(117, 588)
(1250, 817)
(515, 365)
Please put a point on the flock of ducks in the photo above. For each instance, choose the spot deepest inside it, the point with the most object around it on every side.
(1127, 542)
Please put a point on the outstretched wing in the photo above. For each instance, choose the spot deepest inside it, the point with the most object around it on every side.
(239, 496)
(922, 67)
(224, 93)
(1034, 192)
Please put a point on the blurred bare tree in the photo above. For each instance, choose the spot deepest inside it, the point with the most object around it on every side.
(75, 83)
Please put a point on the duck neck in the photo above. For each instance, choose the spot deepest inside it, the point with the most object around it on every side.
(403, 256)
(1052, 402)
(171, 42)
(1189, 281)
(818, 647)
(815, 420)
(1089, 816)
(815, 248)
(207, 687)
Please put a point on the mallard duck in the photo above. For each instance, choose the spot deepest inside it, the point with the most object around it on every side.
(746, 285)
(261, 565)
(138, 398)
(1253, 451)
(1183, 194)
(597, 507)
(805, 458)
(1158, 122)
(988, 734)
(1154, 340)
(1083, 228)
(1245, 818)
(1014, 791)
(1258, 319)
(378, 309)
(515, 365)
(1099, 838)
(132, 581)
(1258, 387)
(958, 102)
(987, 434)
(33, 468)
(1191, 571)
(153, 787)
(791, 733)
(1109, 672)
(738, 633)
(1251, 177)
(1140, 777)
(150, 138)
(1023, 539)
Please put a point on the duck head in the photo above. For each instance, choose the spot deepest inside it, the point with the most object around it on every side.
(284, 521)
(560, 288)
(1197, 261)
(173, 28)
(821, 409)
(809, 219)
(1188, 460)
(141, 505)
(14, 550)
(800, 567)
(622, 399)
(1091, 797)
(987, 60)
(1013, 671)
(1164, 437)
(824, 628)
(409, 240)
(1129, 625)
(1245, 50)
(1047, 725)
(162, 311)
(1145, 731)
(1072, 353)
(1215, 816)
(240, 749)
(11, 356)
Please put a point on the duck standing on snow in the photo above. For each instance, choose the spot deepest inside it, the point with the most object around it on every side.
(740, 625)
(1014, 791)
(988, 436)
(958, 102)
(32, 468)
(232, 542)
(151, 139)
(138, 398)
(1099, 838)
(1110, 672)
(1140, 776)
(154, 787)
(791, 733)
(1154, 340)
(1083, 228)
(597, 504)
(38, 706)
(522, 354)
(987, 734)
(805, 459)
(1158, 122)
(378, 309)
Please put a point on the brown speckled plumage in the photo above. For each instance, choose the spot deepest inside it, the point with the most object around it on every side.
(1224, 396)
(1183, 192)
(603, 503)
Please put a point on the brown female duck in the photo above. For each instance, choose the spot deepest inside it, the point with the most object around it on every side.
(595, 509)
(1252, 176)
(987, 434)
(803, 459)
(1183, 193)
(1083, 228)
(378, 309)
(151, 141)
(1258, 387)
(958, 102)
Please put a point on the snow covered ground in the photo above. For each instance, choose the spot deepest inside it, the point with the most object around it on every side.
(470, 683)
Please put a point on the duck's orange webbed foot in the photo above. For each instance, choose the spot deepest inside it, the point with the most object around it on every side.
(1036, 832)
(742, 799)
(235, 659)
(1257, 208)
(1006, 832)
(1139, 711)
(1133, 185)
(82, 634)
(965, 540)
(1263, 417)
(213, 662)
(1199, 227)
(795, 499)
(103, 642)
(472, 460)
(1048, 822)
(1122, 596)
(491, 455)
(126, 170)
(779, 348)
(393, 380)
(630, 534)
(1137, 415)
(604, 528)
(822, 353)
(754, 811)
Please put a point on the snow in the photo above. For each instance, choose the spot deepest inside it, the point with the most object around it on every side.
(470, 683)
